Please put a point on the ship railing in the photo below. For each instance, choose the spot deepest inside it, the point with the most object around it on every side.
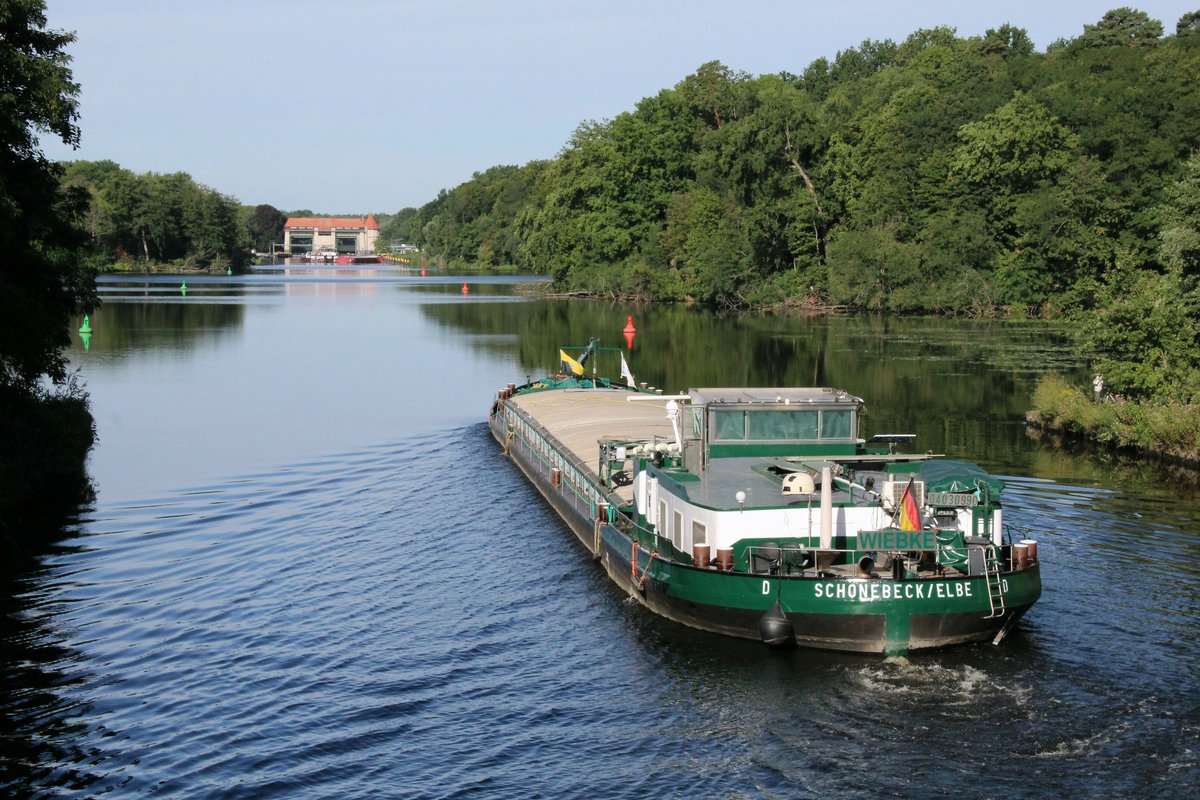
(965, 556)
(973, 558)
(571, 477)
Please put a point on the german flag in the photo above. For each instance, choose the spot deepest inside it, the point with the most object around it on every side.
(910, 515)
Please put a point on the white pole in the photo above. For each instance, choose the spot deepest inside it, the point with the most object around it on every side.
(673, 417)
(826, 508)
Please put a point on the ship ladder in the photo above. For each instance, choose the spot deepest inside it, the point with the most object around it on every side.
(995, 583)
(641, 584)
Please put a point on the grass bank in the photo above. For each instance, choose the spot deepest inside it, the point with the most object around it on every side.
(1167, 431)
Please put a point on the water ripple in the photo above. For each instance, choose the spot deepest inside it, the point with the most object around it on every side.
(410, 621)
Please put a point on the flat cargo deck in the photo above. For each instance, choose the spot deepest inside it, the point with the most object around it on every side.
(579, 418)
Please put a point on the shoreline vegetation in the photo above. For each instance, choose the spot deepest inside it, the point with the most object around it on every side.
(45, 437)
(139, 268)
(942, 175)
(46, 426)
(1165, 432)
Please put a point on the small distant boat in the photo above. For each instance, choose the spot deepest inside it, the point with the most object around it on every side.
(320, 256)
(359, 258)
(761, 513)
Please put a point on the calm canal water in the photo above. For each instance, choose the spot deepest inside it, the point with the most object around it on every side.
(309, 572)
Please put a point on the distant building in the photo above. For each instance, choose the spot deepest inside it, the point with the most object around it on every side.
(339, 234)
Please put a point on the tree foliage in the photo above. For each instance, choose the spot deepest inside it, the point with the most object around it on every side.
(46, 429)
(166, 218)
(264, 226)
(1122, 27)
(42, 280)
(945, 174)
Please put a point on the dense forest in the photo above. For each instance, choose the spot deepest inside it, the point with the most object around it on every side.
(939, 175)
(139, 220)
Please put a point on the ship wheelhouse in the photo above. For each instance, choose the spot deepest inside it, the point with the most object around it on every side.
(748, 423)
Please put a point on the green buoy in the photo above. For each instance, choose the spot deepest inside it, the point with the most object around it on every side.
(85, 327)
(183, 288)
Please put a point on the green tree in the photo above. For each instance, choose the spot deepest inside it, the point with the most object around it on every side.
(1007, 41)
(1180, 248)
(45, 434)
(162, 218)
(706, 246)
(402, 227)
(1013, 148)
(1122, 27)
(1145, 335)
(715, 92)
(42, 280)
(604, 197)
(1061, 241)
(875, 269)
(265, 227)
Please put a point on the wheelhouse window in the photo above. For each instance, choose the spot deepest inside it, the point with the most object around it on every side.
(729, 424)
(781, 424)
(835, 424)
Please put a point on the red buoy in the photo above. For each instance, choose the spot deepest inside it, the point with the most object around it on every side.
(465, 290)
(630, 332)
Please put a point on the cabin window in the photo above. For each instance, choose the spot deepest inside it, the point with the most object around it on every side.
(782, 424)
(677, 530)
(729, 424)
(699, 533)
(835, 424)
(663, 524)
(696, 415)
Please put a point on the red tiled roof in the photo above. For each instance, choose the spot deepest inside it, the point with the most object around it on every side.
(325, 223)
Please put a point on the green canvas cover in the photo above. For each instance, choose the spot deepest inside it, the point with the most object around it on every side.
(949, 475)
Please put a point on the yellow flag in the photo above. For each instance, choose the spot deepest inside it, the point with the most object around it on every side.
(569, 364)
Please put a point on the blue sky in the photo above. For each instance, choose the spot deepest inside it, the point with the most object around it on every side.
(373, 105)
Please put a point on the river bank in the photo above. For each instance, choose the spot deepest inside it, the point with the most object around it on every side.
(1168, 432)
(142, 268)
(45, 438)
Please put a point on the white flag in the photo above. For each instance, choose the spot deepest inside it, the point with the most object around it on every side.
(625, 373)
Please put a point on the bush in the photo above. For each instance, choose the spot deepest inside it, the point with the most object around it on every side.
(1166, 429)
(45, 439)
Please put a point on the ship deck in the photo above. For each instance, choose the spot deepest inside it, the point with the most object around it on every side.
(579, 418)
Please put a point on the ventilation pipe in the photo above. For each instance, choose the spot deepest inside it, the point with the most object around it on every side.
(826, 507)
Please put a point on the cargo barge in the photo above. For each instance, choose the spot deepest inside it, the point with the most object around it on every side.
(760, 513)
